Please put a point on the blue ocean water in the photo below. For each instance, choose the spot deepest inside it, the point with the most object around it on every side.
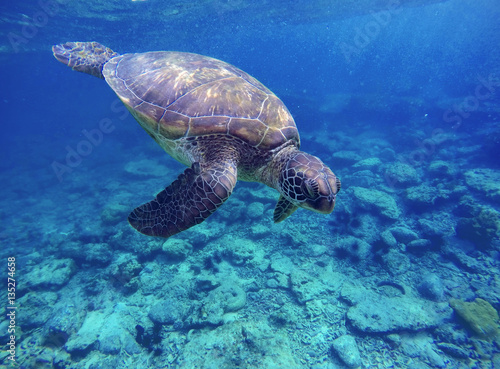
(401, 99)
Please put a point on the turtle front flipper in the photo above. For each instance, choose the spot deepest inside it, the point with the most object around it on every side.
(283, 209)
(86, 57)
(188, 201)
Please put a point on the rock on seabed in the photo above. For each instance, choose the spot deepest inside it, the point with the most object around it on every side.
(378, 314)
(378, 201)
(347, 350)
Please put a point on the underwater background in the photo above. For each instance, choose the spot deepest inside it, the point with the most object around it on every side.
(400, 98)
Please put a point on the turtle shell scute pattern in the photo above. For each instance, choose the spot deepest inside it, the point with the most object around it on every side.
(176, 95)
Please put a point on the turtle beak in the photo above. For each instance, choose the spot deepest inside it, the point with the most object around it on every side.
(324, 205)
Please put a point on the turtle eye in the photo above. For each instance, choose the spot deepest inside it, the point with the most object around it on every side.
(310, 188)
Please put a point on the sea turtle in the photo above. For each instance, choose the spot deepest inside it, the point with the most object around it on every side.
(216, 119)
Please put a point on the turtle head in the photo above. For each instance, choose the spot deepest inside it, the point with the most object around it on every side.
(306, 182)
(86, 57)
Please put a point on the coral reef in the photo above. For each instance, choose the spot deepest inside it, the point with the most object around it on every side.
(402, 274)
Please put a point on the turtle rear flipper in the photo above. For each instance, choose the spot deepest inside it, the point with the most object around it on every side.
(86, 57)
(188, 201)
